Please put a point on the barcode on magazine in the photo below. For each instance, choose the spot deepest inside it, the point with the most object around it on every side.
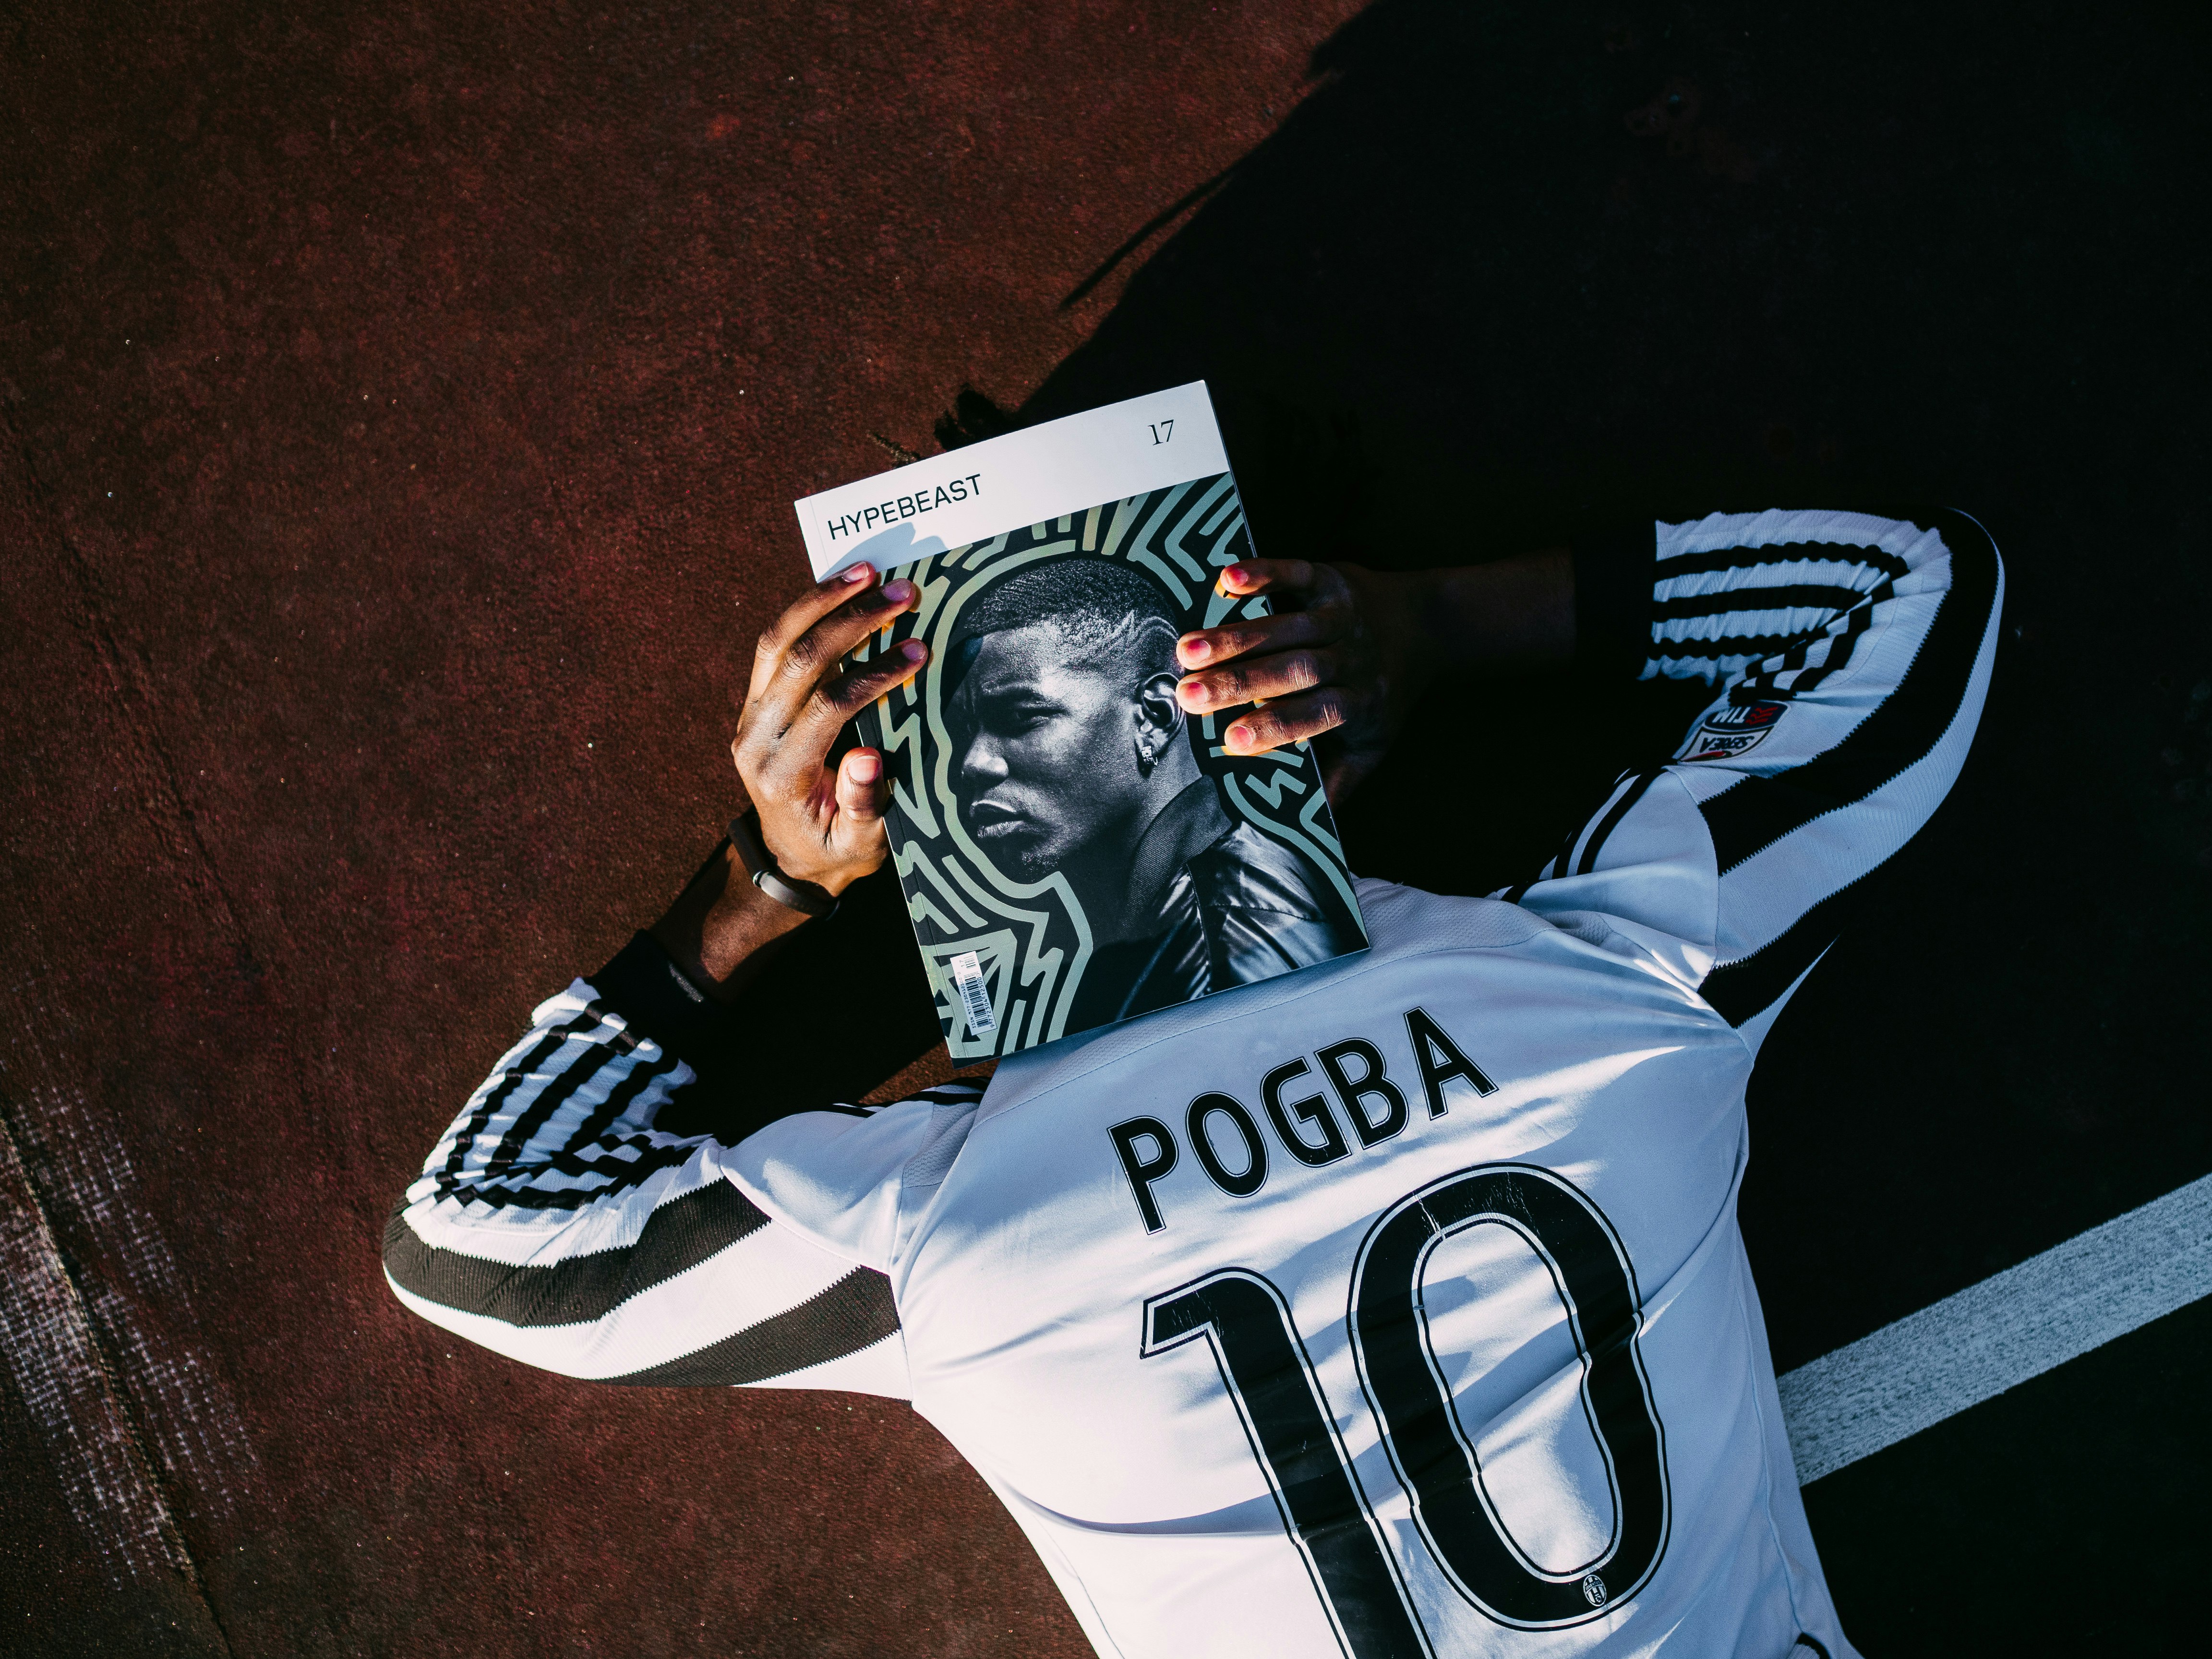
(968, 975)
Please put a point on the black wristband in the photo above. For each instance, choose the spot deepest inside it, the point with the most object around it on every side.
(801, 895)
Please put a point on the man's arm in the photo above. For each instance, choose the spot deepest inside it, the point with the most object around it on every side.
(557, 1222)
(1851, 653)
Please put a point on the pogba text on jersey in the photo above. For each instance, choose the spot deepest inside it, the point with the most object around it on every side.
(1226, 1139)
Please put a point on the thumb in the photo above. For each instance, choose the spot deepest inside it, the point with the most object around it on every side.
(860, 789)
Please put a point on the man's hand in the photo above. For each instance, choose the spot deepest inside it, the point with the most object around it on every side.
(1341, 656)
(1349, 651)
(821, 824)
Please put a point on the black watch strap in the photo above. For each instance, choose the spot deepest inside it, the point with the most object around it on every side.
(801, 895)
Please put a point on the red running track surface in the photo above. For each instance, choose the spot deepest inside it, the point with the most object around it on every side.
(402, 409)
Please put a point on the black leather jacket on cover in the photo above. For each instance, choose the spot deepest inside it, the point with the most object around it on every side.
(1247, 907)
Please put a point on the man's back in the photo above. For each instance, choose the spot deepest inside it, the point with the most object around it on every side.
(1489, 1146)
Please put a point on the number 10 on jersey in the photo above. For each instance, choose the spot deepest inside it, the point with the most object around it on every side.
(1278, 1396)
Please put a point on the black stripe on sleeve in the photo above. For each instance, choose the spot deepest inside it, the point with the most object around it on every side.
(549, 1100)
(1741, 558)
(619, 1100)
(1857, 622)
(1561, 863)
(1611, 822)
(1785, 596)
(619, 1174)
(540, 1052)
(1767, 680)
(679, 1235)
(1743, 989)
(1756, 646)
(1758, 811)
(854, 1313)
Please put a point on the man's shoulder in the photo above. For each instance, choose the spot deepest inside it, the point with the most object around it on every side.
(1415, 919)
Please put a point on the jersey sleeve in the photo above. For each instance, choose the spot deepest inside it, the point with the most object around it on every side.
(556, 1223)
(1850, 655)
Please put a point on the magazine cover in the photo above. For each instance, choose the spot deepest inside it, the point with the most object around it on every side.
(1074, 848)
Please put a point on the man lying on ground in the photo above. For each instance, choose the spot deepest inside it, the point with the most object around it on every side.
(1392, 1307)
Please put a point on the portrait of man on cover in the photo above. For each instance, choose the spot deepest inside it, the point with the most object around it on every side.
(1070, 754)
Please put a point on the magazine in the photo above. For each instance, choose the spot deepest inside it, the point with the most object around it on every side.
(1075, 849)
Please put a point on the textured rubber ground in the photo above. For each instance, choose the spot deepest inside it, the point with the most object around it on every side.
(402, 409)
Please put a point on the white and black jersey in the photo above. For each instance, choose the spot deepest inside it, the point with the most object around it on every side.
(1395, 1307)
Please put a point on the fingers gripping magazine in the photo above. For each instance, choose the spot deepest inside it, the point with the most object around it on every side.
(1074, 849)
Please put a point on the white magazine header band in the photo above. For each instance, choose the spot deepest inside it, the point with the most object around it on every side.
(1007, 483)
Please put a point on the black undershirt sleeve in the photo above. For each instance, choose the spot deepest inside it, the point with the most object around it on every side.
(762, 1058)
(1613, 596)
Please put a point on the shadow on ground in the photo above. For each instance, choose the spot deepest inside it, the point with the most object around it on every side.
(1512, 270)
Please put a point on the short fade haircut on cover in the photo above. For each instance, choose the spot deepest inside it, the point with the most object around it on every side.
(1104, 611)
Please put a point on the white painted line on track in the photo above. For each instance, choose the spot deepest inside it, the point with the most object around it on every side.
(1997, 1334)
